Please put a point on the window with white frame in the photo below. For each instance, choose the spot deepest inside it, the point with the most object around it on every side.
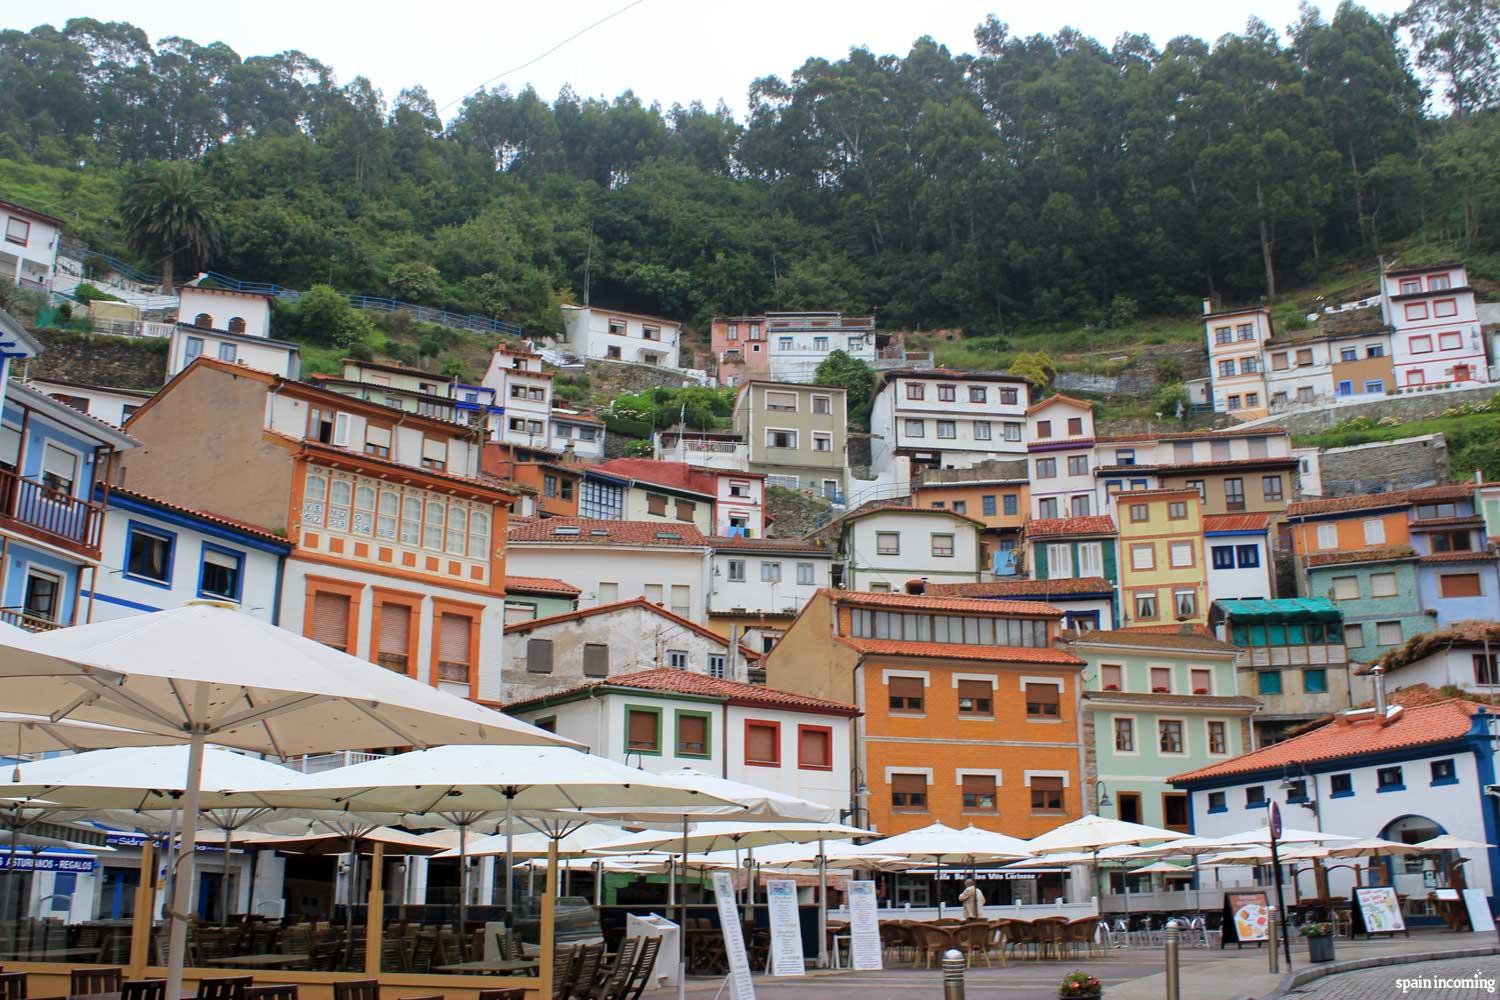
(736, 571)
(1060, 561)
(1374, 531)
(1090, 559)
(1181, 554)
(770, 572)
(1328, 536)
(822, 441)
(806, 576)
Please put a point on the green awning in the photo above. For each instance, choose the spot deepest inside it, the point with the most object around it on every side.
(1285, 609)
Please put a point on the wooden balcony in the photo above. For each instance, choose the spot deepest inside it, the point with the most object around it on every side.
(50, 515)
(23, 619)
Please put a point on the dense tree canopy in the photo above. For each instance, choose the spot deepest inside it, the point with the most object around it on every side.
(1034, 180)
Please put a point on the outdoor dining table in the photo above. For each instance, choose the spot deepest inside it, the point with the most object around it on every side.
(271, 961)
(507, 967)
(51, 954)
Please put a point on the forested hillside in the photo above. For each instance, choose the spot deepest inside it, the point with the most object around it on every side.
(1034, 181)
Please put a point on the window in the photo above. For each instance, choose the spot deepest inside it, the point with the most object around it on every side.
(1010, 504)
(909, 792)
(1174, 811)
(1270, 488)
(1218, 737)
(1197, 484)
(1268, 682)
(770, 572)
(693, 734)
(193, 348)
(229, 352)
(942, 546)
(1143, 556)
(976, 698)
(1043, 701)
(1044, 428)
(393, 637)
(1388, 633)
(763, 743)
(781, 439)
(987, 505)
(1185, 601)
(786, 343)
(1079, 505)
(220, 573)
(17, 231)
(1217, 802)
(683, 509)
(1200, 680)
(1223, 556)
(815, 748)
(656, 504)
(1046, 507)
(1246, 331)
(1346, 588)
(806, 574)
(1161, 680)
(434, 454)
(148, 555)
(1012, 431)
(1182, 555)
(1420, 345)
(1140, 513)
(1223, 335)
(1248, 556)
(1177, 510)
(1046, 794)
(1388, 779)
(59, 469)
(1009, 396)
(1443, 772)
(716, 664)
(1110, 676)
(1315, 681)
(455, 633)
(906, 694)
(1145, 605)
(1046, 468)
(915, 390)
(1341, 785)
(1487, 669)
(330, 619)
(642, 730)
(1354, 635)
(1075, 426)
(982, 430)
(1226, 369)
(1124, 734)
(1253, 398)
(781, 401)
(1374, 385)
(1328, 536)
(1444, 308)
(1169, 736)
(1450, 341)
(947, 429)
(736, 571)
(820, 343)
(887, 543)
(682, 599)
(822, 404)
(978, 792)
(1345, 387)
(539, 656)
(1460, 585)
(947, 393)
(1234, 494)
(915, 428)
(1255, 797)
(1382, 584)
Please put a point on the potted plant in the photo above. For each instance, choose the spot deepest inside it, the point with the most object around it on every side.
(1080, 984)
(1319, 941)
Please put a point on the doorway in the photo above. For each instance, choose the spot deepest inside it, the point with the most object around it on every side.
(1129, 808)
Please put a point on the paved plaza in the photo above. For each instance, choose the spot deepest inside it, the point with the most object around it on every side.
(1450, 979)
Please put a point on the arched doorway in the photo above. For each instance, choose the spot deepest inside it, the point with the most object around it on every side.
(1416, 871)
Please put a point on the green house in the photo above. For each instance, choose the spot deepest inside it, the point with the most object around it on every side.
(531, 597)
(1378, 593)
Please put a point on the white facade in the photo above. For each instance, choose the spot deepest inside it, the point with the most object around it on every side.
(1309, 471)
(1060, 449)
(584, 435)
(245, 313)
(1460, 666)
(606, 574)
(28, 246)
(188, 344)
(740, 503)
(610, 335)
(885, 549)
(763, 579)
(1239, 565)
(947, 422)
(113, 406)
(1236, 379)
(409, 445)
(1437, 339)
(1298, 373)
(524, 391)
(796, 343)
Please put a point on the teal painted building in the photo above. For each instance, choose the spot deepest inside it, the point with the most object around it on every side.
(1377, 591)
(1075, 548)
(1156, 704)
(531, 597)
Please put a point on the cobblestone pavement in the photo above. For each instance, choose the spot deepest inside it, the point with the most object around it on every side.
(1448, 979)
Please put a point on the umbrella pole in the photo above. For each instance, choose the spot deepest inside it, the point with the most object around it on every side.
(822, 907)
(937, 885)
(510, 862)
(463, 882)
(224, 878)
(598, 883)
(682, 917)
(187, 847)
(350, 892)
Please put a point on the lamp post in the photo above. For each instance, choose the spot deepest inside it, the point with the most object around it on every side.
(1101, 797)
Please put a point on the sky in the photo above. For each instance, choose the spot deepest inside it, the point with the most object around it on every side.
(665, 50)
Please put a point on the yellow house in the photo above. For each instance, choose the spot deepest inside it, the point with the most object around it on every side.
(1163, 576)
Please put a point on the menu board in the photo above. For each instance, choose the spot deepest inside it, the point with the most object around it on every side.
(740, 985)
(786, 928)
(1246, 918)
(1480, 919)
(864, 926)
(1377, 910)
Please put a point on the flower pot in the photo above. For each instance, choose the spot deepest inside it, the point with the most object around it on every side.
(1320, 949)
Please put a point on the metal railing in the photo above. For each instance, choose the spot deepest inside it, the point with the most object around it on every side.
(52, 513)
(317, 763)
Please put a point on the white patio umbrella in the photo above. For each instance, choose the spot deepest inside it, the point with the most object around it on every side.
(30, 734)
(577, 844)
(938, 842)
(1289, 835)
(1372, 847)
(1448, 842)
(1093, 833)
(206, 672)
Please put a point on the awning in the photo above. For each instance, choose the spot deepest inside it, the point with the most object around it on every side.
(53, 859)
(1304, 609)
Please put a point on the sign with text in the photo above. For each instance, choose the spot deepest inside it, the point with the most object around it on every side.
(1246, 918)
(864, 926)
(31, 863)
(1377, 910)
(786, 928)
(740, 985)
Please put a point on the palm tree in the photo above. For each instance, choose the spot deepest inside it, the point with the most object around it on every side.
(169, 217)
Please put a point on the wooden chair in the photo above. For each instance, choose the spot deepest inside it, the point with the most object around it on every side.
(564, 972)
(614, 980)
(95, 981)
(281, 991)
(1019, 936)
(226, 988)
(974, 940)
(640, 976)
(930, 942)
(1081, 936)
(1049, 936)
(357, 989)
(12, 986)
(143, 989)
(590, 958)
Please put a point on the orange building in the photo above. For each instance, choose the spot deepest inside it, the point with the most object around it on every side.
(554, 483)
(1367, 521)
(970, 709)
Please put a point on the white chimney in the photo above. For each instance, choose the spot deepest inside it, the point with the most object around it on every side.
(1208, 306)
(1378, 673)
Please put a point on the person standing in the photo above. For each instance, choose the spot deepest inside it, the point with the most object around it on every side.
(973, 901)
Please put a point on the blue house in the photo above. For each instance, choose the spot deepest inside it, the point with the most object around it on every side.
(1457, 574)
(52, 457)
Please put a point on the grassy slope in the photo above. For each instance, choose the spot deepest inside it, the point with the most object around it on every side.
(85, 200)
(1473, 435)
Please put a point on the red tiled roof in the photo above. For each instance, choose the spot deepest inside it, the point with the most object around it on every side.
(1472, 632)
(1161, 491)
(1059, 398)
(675, 475)
(1160, 636)
(686, 682)
(959, 651)
(1367, 501)
(614, 533)
(1054, 527)
(1023, 588)
(1268, 462)
(1200, 630)
(725, 544)
(924, 602)
(638, 602)
(538, 585)
(1220, 435)
(903, 505)
(225, 522)
(1352, 735)
(1458, 557)
(1055, 443)
(1236, 522)
(1376, 553)
(1470, 520)
(391, 366)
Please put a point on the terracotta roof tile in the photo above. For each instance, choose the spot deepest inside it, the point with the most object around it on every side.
(1458, 557)
(674, 475)
(1055, 443)
(1469, 521)
(1059, 398)
(1236, 522)
(638, 602)
(1268, 462)
(924, 602)
(1221, 435)
(538, 585)
(592, 531)
(1200, 630)
(1159, 637)
(725, 544)
(1472, 632)
(958, 651)
(1352, 735)
(1368, 501)
(202, 515)
(1023, 588)
(1376, 553)
(686, 682)
(1055, 527)
(1203, 701)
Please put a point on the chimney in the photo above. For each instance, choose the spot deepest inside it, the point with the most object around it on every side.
(1378, 673)
(1208, 306)
(917, 587)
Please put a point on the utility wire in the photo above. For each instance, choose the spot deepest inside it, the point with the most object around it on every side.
(516, 69)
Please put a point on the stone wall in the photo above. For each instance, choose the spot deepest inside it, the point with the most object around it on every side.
(1417, 406)
(100, 359)
(1384, 466)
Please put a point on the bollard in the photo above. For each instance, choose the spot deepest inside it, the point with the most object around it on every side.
(1174, 984)
(954, 964)
(1271, 938)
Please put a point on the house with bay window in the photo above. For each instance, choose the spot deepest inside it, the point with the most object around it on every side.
(664, 720)
(398, 548)
(1087, 602)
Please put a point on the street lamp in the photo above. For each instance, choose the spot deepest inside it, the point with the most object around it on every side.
(1101, 795)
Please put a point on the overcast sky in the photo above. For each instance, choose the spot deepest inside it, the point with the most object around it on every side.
(664, 50)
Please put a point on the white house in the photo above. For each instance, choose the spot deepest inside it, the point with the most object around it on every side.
(1436, 338)
(189, 343)
(666, 719)
(1299, 369)
(612, 335)
(209, 308)
(1239, 556)
(1060, 447)
(1402, 774)
(1465, 655)
(797, 343)
(524, 393)
(561, 651)
(947, 419)
(28, 247)
(157, 554)
(613, 561)
(579, 431)
(113, 406)
(751, 575)
(884, 547)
